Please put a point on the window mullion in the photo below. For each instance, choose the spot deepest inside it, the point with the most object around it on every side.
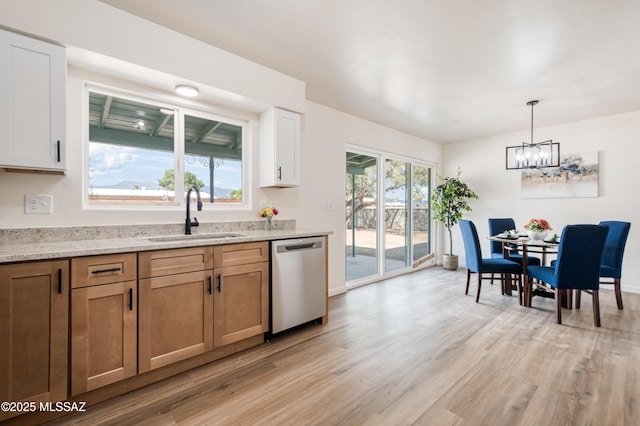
(179, 145)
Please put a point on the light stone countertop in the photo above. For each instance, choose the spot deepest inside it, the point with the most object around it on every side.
(54, 245)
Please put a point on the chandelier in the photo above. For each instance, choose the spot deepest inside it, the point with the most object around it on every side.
(533, 155)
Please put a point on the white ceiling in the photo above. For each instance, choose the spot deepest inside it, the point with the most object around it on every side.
(444, 70)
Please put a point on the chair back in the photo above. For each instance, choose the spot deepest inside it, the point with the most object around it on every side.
(472, 251)
(615, 244)
(496, 226)
(579, 256)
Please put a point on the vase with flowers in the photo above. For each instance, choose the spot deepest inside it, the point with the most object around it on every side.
(537, 229)
(268, 213)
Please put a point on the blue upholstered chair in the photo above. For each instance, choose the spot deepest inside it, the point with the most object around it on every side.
(499, 225)
(576, 268)
(611, 267)
(476, 264)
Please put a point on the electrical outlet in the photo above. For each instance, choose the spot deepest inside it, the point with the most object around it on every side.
(329, 206)
(38, 204)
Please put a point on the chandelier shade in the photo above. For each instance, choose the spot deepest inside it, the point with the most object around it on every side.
(533, 155)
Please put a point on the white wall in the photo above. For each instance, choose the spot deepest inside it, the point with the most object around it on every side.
(326, 134)
(98, 28)
(615, 138)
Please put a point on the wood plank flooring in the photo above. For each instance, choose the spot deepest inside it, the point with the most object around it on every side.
(414, 350)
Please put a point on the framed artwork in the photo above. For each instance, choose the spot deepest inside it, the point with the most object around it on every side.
(577, 176)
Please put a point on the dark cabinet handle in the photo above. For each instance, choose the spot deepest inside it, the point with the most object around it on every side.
(210, 284)
(130, 299)
(102, 271)
(219, 283)
(59, 281)
(280, 173)
(58, 151)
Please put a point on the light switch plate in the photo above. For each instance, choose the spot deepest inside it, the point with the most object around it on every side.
(38, 204)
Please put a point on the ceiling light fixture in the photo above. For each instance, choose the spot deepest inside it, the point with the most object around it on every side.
(185, 90)
(533, 155)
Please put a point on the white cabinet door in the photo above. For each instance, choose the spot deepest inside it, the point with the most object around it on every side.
(32, 103)
(279, 148)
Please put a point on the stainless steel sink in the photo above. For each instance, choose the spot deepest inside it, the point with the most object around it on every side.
(210, 236)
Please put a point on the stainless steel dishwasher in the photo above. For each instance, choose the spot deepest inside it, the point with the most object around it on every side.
(298, 282)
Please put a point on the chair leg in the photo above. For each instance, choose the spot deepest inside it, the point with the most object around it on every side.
(596, 307)
(492, 277)
(578, 293)
(559, 305)
(520, 295)
(616, 283)
(479, 285)
(468, 279)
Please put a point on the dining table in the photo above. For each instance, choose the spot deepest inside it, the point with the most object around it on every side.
(525, 246)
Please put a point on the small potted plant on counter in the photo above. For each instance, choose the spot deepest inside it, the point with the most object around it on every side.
(449, 201)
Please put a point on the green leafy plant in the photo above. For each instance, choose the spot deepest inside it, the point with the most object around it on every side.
(449, 201)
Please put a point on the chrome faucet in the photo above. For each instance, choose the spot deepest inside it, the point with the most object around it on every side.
(188, 223)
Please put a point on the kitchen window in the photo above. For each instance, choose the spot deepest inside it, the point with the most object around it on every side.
(136, 145)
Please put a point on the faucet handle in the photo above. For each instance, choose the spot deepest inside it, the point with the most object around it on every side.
(195, 222)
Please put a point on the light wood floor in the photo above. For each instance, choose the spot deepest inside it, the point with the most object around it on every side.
(414, 350)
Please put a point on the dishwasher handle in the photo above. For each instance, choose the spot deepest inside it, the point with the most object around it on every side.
(300, 246)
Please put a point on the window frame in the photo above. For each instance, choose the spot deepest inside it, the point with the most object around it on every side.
(180, 109)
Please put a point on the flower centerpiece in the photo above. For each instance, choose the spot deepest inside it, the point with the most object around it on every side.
(537, 229)
(268, 213)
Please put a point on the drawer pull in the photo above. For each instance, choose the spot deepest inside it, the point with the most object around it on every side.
(59, 281)
(210, 284)
(58, 151)
(131, 299)
(219, 283)
(102, 271)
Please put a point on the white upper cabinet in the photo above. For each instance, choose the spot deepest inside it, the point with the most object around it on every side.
(32, 104)
(279, 148)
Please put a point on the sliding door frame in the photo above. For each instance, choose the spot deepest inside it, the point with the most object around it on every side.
(412, 264)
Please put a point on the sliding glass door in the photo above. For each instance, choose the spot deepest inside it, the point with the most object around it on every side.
(420, 207)
(361, 217)
(388, 233)
(396, 218)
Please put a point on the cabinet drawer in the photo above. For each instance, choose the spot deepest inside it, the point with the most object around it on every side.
(240, 254)
(175, 261)
(107, 269)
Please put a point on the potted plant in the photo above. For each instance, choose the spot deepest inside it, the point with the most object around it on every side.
(448, 202)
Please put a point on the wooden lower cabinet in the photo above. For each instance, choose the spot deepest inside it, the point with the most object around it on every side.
(34, 318)
(103, 335)
(175, 318)
(241, 297)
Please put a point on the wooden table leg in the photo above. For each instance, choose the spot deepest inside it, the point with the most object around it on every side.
(507, 284)
(525, 278)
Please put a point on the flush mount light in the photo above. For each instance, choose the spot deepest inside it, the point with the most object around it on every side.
(184, 90)
(533, 155)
